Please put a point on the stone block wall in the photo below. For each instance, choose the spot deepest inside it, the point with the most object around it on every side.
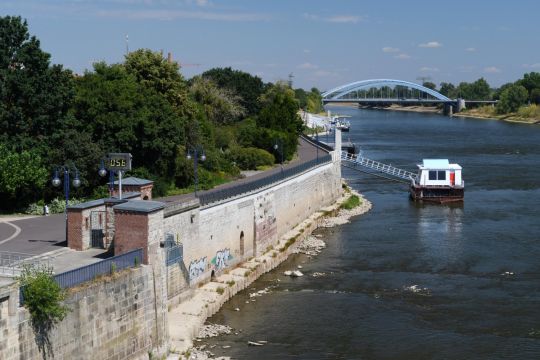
(116, 318)
(217, 237)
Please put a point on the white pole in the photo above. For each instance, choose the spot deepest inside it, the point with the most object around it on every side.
(120, 184)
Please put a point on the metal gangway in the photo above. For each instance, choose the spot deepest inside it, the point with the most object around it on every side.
(359, 160)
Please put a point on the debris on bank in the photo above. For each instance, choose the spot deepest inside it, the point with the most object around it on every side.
(212, 330)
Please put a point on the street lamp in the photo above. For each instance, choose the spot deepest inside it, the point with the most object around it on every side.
(56, 182)
(278, 146)
(197, 153)
(103, 172)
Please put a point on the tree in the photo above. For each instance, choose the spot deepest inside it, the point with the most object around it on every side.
(245, 85)
(531, 82)
(511, 99)
(280, 114)
(34, 96)
(429, 85)
(220, 104)
(125, 115)
(22, 177)
(448, 90)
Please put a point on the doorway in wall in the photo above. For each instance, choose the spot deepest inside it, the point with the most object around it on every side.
(242, 243)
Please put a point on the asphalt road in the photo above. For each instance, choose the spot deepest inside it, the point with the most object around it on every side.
(37, 235)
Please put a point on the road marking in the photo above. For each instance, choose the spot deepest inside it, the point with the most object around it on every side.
(17, 232)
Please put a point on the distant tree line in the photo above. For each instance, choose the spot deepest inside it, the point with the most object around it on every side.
(511, 96)
(51, 117)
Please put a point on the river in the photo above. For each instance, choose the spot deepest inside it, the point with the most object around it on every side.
(409, 281)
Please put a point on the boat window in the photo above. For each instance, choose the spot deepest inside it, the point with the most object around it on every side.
(432, 175)
(441, 175)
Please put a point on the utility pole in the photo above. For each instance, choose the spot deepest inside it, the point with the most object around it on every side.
(290, 80)
(127, 44)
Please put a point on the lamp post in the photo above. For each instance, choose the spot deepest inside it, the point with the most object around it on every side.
(197, 153)
(103, 172)
(278, 146)
(56, 182)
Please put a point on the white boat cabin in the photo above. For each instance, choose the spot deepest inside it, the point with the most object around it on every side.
(439, 172)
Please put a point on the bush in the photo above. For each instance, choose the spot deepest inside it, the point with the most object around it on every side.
(250, 158)
(351, 203)
(43, 298)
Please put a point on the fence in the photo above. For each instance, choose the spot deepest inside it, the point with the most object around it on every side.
(222, 194)
(86, 273)
(12, 263)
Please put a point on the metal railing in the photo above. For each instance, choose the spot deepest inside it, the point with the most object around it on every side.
(378, 166)
(212, 196)
(174, 254)
(12, 263)
(90, 272)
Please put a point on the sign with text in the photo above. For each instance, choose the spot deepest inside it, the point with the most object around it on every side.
(118, 161)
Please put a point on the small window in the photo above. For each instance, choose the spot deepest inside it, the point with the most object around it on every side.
(432, 175)
(441, 175)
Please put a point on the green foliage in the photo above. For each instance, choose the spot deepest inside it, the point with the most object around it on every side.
(511, 99)
(448, 90)
(531, 82)
(352, 202)
(34, 96)
(248, 87)
(250, 158)
(529, 112)
(43, 298)
(429, 85)
(221, 105)
(22, 176)
(478, 90)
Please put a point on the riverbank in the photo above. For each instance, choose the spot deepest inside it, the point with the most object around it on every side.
(188, 318)
(481, 114)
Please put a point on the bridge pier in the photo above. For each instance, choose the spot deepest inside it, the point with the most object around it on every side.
(448, 109)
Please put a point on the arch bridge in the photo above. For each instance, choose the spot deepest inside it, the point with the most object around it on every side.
(384, 92)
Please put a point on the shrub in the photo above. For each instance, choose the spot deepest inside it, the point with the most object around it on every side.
(250, 158)
(352, 202)
(43, 298)
(220, 290)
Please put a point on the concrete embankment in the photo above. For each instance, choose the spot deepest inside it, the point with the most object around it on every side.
(187, 319)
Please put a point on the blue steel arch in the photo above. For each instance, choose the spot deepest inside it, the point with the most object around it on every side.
(340, 91)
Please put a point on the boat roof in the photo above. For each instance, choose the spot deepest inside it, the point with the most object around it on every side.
(438, 164)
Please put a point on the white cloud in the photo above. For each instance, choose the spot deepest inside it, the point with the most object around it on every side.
(342, 19)
(307, 65)
(389, 49)
(532, 66)
(168, 15)
(470, 49)
(402, 57)
(429, 69)
(431, 44)
(492, 70)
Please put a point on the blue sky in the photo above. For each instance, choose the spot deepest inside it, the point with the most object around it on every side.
(322, 43)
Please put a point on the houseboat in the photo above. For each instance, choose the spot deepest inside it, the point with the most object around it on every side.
(438, 181)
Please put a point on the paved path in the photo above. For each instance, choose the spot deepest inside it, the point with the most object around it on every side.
(32, 235)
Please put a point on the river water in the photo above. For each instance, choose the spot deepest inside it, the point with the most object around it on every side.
(409, 281)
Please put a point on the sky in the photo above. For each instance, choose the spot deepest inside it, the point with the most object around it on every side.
(322, 44)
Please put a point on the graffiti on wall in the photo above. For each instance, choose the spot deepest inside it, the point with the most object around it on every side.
(221, 260)
(196, 268)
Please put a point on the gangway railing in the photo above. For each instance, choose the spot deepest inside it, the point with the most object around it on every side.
(358, 160)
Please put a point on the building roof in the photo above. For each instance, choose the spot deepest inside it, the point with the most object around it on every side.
(438, 164)
(134, 181)
(144, 206)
